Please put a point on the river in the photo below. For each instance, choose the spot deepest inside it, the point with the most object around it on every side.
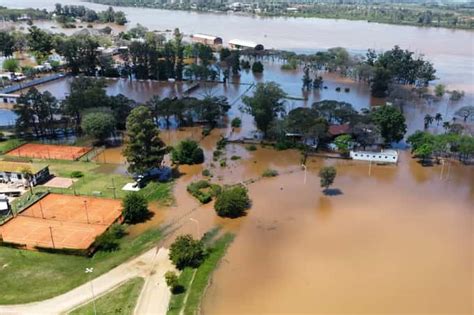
(450, 50)
(397, 240)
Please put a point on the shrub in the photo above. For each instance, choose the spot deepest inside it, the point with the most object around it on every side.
(187, 152)
(135, 208)
(338, 89)
(232, 202)
(206, 173)
(347, 90)
(236, 122)
(108, 241)
(223, 163)
(173, 282)
(327, 175)
(76, 174)
(251, 147)
(186, 252)
(216, 153)
(235, 157)
(221, 143)
(206, 132)
(203, 190)
(270, 173)
(257, 67)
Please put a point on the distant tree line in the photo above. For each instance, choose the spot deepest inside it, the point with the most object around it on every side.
(450, 15)
(68, 13)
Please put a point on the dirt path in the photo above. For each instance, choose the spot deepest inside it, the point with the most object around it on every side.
(155, 296)
(151, 265)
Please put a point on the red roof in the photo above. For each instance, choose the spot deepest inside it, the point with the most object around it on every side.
(336, 130)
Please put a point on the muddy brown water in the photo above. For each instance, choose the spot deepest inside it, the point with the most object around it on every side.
(396, 242)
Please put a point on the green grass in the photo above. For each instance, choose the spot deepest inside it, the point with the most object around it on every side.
(196, 289)
(121, 300)
(29, 276)
(98, 178)
(10, 144)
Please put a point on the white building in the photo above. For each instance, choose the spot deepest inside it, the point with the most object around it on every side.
(244, 44)
(206, 39)
(12, 172)
(387, 156)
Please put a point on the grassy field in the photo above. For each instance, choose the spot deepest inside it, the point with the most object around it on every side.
(121, 300)
(29, 276)
(10, 144)
(196, 289)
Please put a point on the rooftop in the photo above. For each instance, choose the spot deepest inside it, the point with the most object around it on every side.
(17, 167)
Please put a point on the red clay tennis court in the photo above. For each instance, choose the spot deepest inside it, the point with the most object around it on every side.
(62, 221)
(49, 151)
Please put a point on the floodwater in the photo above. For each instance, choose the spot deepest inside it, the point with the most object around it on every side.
(389, 240)
(451, 50)
(374, 246)
(290, 81)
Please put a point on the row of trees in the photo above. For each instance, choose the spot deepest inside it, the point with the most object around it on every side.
(68, 13)
(426, 145)
(268, 108)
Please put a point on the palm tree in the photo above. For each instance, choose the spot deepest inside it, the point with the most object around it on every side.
(438, 117)
(428, 120)
(446, 126)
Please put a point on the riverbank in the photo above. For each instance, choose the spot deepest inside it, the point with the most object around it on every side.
(454, 17)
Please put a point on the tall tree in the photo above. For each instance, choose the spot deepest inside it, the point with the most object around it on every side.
(265, 105)
(85, 93)
(143, 149)
(7, 44)
(390, 122)
(40, 43)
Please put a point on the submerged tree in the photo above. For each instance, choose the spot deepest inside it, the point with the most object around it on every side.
(265, 104)
(327, 175)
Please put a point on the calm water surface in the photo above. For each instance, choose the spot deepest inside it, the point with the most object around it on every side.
(397, 241)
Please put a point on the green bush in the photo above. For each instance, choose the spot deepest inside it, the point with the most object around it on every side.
(232, 202)
(223, 163)
(135, 208)
(206, 132)
(270, 173)
(108, 241)
(206, 173)
(251, 147)
(235, 157)
(173, 282)
(216, 153)
(76, 174)
(187, 152)
(236, 122)
(187, 252)
(203, 190)
(257, 67)
(221, 143)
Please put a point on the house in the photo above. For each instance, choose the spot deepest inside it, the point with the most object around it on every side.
(9, 98)
(206, 39)
(386, 156)
(238, 44)
(12, 172)
(337, 130)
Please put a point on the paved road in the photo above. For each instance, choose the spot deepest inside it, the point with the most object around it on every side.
(155, 296)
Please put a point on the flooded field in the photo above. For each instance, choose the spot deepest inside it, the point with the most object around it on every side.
(388, 240)
(290, 81)
(396, 242)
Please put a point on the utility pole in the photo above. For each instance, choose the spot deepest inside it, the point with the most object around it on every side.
(89, 271)
(51, 233)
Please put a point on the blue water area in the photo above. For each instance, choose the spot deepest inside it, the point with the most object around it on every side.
(7, 117)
